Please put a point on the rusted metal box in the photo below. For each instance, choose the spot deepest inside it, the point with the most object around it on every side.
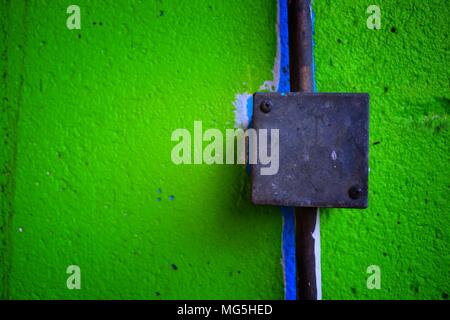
(323, 149)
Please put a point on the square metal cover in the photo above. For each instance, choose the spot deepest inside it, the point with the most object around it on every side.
(323, 149)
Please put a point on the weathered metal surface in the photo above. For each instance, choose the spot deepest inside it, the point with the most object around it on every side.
(323, 149)
(301, 79)
(300, 45)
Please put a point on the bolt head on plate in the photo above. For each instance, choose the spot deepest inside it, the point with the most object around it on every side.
(266, 106)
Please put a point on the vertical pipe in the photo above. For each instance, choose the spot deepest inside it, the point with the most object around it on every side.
(305, 223)
(300, 61)
(300, 45)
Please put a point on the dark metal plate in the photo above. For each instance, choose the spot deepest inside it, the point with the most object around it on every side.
(323, 149)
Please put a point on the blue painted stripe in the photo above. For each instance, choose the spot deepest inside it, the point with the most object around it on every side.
(288, 235)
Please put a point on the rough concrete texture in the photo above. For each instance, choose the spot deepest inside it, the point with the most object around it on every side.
(405, 67)
(87, 117)
(86, 174)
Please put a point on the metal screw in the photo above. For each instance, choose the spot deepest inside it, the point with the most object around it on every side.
(355, 192)
(266, 106)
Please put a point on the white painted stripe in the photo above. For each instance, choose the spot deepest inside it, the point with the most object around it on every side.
(316, 236)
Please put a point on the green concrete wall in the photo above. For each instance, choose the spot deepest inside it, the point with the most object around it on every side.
(90, 115)
(405, 67)
(87, 179)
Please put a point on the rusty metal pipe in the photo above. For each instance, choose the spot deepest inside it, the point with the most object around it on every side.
(300, 45)
(301, 80)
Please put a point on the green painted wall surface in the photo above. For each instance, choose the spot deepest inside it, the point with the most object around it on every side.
(92, 112)
(86, 122)
(405, 67)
